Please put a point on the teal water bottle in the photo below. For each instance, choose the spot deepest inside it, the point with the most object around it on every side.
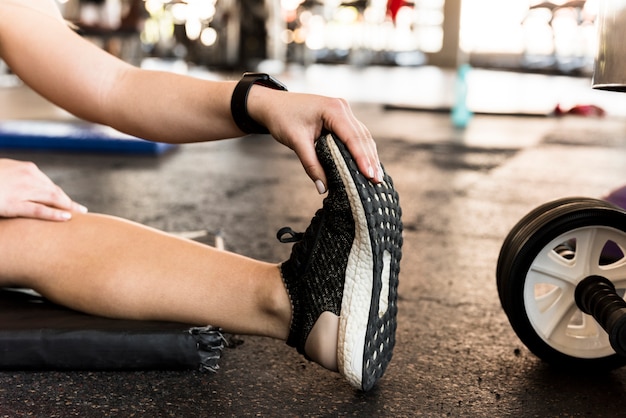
(461, 115)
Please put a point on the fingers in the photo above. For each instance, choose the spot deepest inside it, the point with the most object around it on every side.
(77, 207)
(364, 151)
(303, 118)
(25, 191)
(56, 198)
(357, 138)
(296, 120)
(40, 211)
(49, 203)
(308, 157)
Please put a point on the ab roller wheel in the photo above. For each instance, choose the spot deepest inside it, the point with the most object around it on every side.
(561, 278)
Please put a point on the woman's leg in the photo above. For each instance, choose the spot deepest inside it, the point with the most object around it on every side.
(335, 299)
(111, 267)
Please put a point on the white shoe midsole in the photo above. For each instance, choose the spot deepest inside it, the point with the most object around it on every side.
(358, 286)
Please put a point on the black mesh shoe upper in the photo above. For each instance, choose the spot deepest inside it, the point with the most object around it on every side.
(314, 273)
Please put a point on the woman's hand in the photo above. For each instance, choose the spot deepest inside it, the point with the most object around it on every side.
(27, 192)
(297, 120)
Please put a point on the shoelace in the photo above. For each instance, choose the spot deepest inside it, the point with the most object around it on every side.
(292, 236)
(300, 250)
(287, 235)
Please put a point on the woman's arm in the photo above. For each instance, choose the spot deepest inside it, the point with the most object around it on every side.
(92, 84)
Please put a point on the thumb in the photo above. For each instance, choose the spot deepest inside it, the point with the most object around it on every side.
(313, 168)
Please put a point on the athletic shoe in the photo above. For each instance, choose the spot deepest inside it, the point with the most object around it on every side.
(347, 262)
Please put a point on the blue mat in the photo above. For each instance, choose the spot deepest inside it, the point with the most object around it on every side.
(73, 136)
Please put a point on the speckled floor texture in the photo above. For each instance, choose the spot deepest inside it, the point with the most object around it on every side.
(456, 353)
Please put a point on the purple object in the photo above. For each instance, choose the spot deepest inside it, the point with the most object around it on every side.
(617, 197)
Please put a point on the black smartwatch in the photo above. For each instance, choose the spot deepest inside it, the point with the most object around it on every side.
(239, 101)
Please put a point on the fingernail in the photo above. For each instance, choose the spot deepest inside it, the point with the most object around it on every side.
(82, 209)
(66, 216)
(380, 175)
(370, 172)
(319, 185)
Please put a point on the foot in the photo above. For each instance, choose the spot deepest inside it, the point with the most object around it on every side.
(347, 264)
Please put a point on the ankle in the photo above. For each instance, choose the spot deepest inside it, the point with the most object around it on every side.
(276, 305)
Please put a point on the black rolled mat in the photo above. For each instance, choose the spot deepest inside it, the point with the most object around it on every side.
(36, 334)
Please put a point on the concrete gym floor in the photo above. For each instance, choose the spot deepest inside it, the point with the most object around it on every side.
(461, 192)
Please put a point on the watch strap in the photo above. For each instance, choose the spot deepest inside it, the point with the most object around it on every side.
(239, 101)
